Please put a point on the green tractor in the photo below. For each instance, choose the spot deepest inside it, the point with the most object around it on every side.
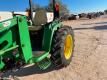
(24, 41)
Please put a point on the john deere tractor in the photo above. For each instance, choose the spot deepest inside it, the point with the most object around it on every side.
(33, 39)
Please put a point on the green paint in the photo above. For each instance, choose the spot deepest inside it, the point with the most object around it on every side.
(43, 65)
(48, 34)
(24, 39)
(1, 65)
(41, 57)
(16, 35)
(7, 50)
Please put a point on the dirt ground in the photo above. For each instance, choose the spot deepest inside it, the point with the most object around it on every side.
(90, 55)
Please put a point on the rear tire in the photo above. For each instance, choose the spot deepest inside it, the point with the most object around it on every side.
(59, 50)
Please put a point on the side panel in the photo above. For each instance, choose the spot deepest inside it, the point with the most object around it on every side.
(6, 38)
(14, 34)
(48, 34)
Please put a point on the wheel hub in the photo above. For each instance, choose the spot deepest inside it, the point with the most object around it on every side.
(68, 47)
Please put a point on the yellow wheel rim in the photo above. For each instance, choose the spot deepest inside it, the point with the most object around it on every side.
(68, 47)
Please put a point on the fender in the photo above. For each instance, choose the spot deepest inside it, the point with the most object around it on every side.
(48, 34)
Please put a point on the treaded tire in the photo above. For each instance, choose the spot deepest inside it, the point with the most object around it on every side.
(58, 42)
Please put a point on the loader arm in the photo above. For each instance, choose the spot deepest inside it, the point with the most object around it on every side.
(14, 34)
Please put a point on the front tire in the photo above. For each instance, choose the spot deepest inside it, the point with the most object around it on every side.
(62, 46)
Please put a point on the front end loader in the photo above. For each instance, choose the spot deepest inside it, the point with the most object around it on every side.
(40, 42)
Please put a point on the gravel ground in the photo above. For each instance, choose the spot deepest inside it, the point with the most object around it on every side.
(90, 55)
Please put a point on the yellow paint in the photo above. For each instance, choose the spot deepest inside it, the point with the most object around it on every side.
(68, 47)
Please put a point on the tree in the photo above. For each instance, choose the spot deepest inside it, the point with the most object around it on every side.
(63, 7)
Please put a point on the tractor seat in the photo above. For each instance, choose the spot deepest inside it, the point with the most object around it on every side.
(40, 19)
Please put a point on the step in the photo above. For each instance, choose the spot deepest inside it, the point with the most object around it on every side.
(39, 56)
(44, 64)
(38, 53)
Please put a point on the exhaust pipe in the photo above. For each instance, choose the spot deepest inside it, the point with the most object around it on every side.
(31, 10)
